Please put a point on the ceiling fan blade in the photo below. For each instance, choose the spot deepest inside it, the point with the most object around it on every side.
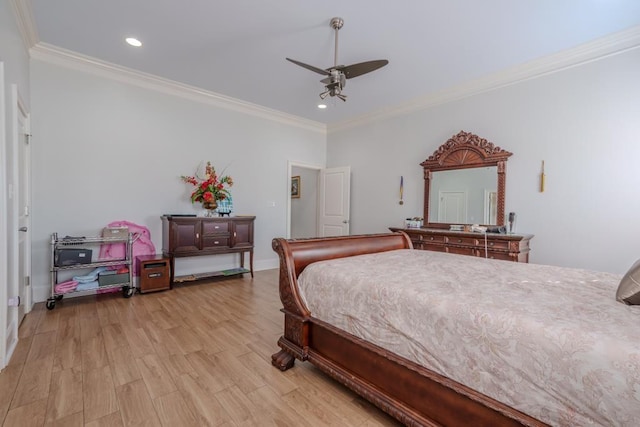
(343, 97)
(355, 70)
(310, 67)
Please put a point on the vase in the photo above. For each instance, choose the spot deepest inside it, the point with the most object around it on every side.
(210, 207)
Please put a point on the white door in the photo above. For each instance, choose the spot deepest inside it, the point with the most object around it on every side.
(333, 215)
(18, 254)
(452, 207)
(23, 192)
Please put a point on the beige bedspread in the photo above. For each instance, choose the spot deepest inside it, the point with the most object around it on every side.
(549, 341)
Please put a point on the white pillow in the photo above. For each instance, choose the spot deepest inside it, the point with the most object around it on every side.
(629, 288)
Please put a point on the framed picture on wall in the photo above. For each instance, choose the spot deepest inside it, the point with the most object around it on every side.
(295, 187)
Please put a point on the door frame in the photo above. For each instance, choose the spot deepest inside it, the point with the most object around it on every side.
(4, 208)
(290, 165)
(490, 204)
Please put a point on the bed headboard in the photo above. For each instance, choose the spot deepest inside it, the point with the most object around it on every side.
(296, 254)
(302, 252)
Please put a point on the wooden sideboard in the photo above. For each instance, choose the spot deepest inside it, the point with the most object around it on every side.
(198, 236)
(510, 247)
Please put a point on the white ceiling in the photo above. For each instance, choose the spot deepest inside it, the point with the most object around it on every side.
(238, 48)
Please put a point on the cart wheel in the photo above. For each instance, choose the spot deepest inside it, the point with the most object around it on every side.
(51, 304)
(59, 297)
(127, 291)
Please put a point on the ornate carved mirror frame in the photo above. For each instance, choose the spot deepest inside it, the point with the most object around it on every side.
(462, 151)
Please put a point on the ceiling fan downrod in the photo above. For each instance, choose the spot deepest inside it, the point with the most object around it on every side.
(336, 24)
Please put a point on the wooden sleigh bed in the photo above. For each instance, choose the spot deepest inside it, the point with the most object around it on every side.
(412, 394)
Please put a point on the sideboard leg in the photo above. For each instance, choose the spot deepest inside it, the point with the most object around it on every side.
(251, 262)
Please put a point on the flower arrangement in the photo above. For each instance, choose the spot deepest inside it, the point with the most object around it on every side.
(210, 188)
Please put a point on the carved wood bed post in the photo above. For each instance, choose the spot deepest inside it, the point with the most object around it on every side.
(294, 342)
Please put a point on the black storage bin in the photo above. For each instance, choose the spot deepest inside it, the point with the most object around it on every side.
(113, 279)
(66, 257)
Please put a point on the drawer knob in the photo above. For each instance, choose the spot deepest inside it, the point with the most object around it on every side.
(459, 240)
(490, 243)
(216, 226)
(431, 238)
(216, 242)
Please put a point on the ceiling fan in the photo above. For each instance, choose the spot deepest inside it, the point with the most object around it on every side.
(337, 75)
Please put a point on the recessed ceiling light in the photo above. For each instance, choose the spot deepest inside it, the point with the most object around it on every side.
(322, 106)
(133, 41)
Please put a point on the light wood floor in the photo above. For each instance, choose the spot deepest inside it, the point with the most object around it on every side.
(197, 355)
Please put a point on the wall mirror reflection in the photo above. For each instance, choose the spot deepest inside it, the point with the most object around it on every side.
(465, 196)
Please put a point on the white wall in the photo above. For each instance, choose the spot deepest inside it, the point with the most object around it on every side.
(583, 122)
(13, 53)
(106, 151)
(304, 210)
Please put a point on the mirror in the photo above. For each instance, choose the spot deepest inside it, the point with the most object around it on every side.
(465, 182)
(465, 196)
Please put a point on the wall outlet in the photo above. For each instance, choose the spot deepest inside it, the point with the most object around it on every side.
(13, 301)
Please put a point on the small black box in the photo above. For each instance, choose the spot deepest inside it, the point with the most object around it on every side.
(66, 257)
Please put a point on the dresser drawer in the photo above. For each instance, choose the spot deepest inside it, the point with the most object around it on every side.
(215, 227)
(432, 247)
(462, 250)
(462, 241)
(499, 255)
(215, 241)
(495, 244)
(429, 238)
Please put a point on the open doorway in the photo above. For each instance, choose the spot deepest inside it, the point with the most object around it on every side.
(303, 201)
(319, 201)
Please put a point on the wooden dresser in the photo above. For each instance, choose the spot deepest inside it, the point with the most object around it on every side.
(199, 236)
(510, 247)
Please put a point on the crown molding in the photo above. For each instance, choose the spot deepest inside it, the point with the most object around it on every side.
(588, 52)
(25, 21)
(69, 59)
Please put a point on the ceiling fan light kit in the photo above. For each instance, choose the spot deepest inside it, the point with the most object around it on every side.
(337, 75)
